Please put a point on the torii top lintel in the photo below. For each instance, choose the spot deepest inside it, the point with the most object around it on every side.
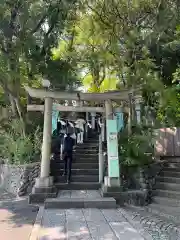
(114, 95)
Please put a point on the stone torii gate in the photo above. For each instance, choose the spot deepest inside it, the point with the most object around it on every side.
(44, 184)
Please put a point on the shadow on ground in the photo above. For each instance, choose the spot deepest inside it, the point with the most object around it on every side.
(16, 212)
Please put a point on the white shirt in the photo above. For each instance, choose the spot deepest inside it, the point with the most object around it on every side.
(71, 124)
(62, 122)
(100, 123)
(80, 123)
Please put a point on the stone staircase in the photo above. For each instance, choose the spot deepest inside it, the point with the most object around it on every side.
(166, 200)
(84, 189)
(162, 216)
(85, 167)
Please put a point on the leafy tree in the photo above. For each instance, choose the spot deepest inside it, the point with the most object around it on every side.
(28, 32)
(86, 48)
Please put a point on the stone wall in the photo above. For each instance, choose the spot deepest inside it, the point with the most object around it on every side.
(139, 182)
(19, 180)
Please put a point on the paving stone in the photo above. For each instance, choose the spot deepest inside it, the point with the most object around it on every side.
(112, 215)
(64, 194)
(53, 233)
(53, 217)
(78, 194)
(93, 215)
(101, 231)
(77, 231)
(93, 194)
(53, 225)
(75, 215)
(124, 231)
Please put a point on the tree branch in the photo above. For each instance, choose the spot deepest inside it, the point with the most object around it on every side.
(103, 76)
(37, 27)
(6, 89)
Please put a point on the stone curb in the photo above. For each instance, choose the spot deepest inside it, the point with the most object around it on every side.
(37, 225)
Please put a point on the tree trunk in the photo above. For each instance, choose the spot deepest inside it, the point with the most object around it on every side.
(13, 105)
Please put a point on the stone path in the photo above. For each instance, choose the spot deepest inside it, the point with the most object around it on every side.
(16, 217)
(84, 224)
(157, 226)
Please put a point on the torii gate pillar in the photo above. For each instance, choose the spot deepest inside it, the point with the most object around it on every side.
(45, 181)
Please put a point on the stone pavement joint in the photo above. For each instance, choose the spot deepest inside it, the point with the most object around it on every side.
(86, 224)
(128, 223)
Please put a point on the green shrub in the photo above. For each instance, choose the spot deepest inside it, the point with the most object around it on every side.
(16, 148)
(136, 149)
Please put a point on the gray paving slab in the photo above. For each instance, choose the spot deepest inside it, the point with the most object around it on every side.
(78, 194)
(101, 231)
(93, 215)
(53, 217)
(124, 231)
(75, 215)
(112, 215)
(53, 233)
(93, 194)
(64, 194)
(78, 231)
(86, 224)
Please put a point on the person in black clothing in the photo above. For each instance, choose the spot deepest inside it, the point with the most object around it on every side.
(68, 155)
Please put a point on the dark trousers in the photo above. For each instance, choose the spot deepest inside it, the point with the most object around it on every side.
(68, 165)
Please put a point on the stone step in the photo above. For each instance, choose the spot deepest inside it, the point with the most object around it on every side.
(85, 151)
(170, 174)
(171, 213)
(87, 146)
(36, 198)
(86, 156)
(91, 140)
(79, 178)
(86, 160)
(78, 186)
(83, 165)
(67, 203)
(59, 172)
(169, 169)
(167, 186)
(163, 201)
(168, 179)
(172, 165)
(77, 160)
(166, 193)
(172, 159)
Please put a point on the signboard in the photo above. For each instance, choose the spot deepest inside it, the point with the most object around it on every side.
(120, 121)
(55, 115)
(112, 145)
